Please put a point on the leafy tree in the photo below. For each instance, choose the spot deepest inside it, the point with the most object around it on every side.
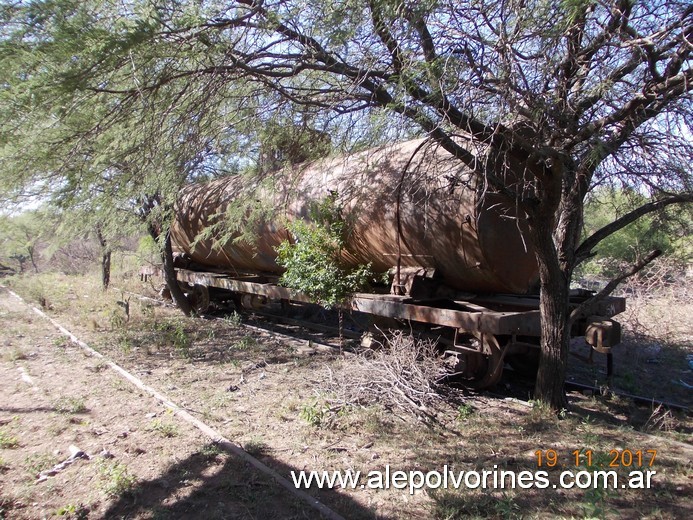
(105, 152)
(20, 238)
(666, 231)
(288, 143)
(85, 222)
(541, 99)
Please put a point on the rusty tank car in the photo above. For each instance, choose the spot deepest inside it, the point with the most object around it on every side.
(411, 205)
(456, 253)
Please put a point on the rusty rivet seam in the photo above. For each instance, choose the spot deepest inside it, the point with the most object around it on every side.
(215, 436)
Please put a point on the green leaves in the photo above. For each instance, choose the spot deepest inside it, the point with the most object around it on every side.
(95, 113)
(314, 263)
(666, 230)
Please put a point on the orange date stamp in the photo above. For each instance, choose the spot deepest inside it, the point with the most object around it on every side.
(616, 458)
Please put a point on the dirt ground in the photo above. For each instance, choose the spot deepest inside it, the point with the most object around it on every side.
(141, 460)
(271, 396)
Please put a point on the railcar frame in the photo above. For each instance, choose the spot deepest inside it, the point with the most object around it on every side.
(485, 330)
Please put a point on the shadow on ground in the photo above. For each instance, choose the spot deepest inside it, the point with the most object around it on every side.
(213, 484)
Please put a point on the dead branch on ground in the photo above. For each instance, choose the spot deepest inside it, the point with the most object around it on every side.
(402, 374)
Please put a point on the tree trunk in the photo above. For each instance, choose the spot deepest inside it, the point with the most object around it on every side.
(31, 257)
(21, 260)
(171, 281)
(106, 269)
(155, 231)
(105, 259)
(555, 334)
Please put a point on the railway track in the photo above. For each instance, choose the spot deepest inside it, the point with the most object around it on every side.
(637, 399)
(181, 412)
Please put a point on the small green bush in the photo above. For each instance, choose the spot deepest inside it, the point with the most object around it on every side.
(116, 479)
(314, 263)
(8, 441)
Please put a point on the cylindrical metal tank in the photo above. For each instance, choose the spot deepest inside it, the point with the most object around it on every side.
(411, 201)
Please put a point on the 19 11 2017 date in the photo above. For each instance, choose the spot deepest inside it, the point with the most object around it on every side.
(616, 458)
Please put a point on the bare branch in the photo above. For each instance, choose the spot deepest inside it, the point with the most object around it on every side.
(584, 251)
(585, 308)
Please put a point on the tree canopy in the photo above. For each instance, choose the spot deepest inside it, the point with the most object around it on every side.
(125, 102)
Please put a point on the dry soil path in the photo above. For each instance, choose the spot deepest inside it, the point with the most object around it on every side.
(139, 460)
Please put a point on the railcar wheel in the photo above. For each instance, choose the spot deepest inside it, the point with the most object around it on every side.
(198, 296)
(485, 368)
(253, 301)
(526, 364)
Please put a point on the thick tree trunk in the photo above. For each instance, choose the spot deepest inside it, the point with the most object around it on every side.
(171, 281)
(155, 231)
(555, 342)
(555, 334)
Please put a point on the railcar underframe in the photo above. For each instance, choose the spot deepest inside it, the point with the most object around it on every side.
(483, 331)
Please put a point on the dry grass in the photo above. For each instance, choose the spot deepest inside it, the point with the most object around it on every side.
(659, 307)
(657, 345)
(661, 419)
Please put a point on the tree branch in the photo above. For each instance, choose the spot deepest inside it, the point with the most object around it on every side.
(383, 32)
(584, 251)
(585, 308)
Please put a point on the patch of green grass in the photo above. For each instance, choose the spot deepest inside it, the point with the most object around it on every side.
(79, 511)
(464, 412)
(116, 479)
(377, 421)
(211, 451)
(314, 413)
(449, 505)
(147, 309)
(540, 418)
(122, 386)
(15, 354)
(35, 463)
(163, 428)
(117, 318)
(587, 426)
(70, 405)
(181, 340)
(599, 460)
(61, 342)
(125, 344)
(245, 343)
(8, 441)
(172, 332)
(50, 290)
(596, 501)
(234, 319)
(4, 466)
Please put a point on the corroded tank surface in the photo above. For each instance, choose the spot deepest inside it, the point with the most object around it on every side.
(411, 202)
